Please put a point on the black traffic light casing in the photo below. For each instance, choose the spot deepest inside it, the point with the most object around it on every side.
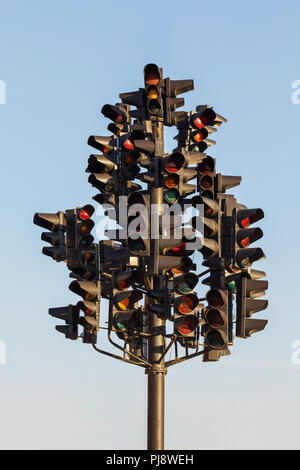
(79, 225)
(124, 316)
(215, 330)
(176, 174)
(89, 305)
(138, 223)
(173, 88)
(186, 308)
(153, 90)
(248, 303)
(70, 314)
(56, 224)
(243, 236)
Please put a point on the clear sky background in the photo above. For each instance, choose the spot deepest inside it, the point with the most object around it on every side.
(61, 61)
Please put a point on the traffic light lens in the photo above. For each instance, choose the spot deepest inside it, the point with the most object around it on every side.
(86, 212)
(118, 118)
(171, 181)
(185, 266)
(84, 215)
(208, 194)
(128, 144)
(200, 135)
(248, 217)
(245, 222)
(174, 163)
(131, 158)
(121, 326)
(184, 287)
(208, 117)
(152, 92)
(154, 106)
(131, 172)
(214, 318)
(152, 76)
(207, 166)
(188, 303)
(214, 298)
(88, 255)
(188, 325)
(179, 250)
(171, 196)
(124, 284)
(86, 226)
(85, 242)
(214, 339)
(124, 304)
(197, 123)
(245, 242)
(206, 182)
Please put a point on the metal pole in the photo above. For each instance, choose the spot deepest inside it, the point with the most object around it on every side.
(156, 412)
(156, 374)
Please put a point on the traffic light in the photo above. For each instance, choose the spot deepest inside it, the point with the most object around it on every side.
(103, 173)
(89, 305)
(153, 84)
(84, 225)
(173, 88)
(186, 308)
(210, 225)
(136, 140)
(176, 175)
(247, 303)
(206, 116)
(56, 224)
(139, 223)
(105, 144)
(117, 114)
(70, 314)
(125, 316)
(78, 237)
(243, 256)
(215, 329)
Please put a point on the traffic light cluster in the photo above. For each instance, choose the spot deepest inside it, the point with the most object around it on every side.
(146, 268)
(72, 242)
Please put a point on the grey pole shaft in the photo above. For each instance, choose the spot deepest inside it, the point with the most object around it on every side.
(156, 411)
(156, 375)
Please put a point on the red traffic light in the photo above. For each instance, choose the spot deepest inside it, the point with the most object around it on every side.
(86, 212)
(114, 113)
(188, 303)
(174, 163)
(151, 74)
(247, 217)
(186, 325)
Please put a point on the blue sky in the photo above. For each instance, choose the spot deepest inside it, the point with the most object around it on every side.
(62, 61)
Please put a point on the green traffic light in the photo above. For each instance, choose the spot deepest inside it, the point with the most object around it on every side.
(171, 195)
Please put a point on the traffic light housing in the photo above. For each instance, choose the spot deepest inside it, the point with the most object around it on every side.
(243, 256)
(70, 314)
(215, 315)
(248, 303)
(56, 224)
